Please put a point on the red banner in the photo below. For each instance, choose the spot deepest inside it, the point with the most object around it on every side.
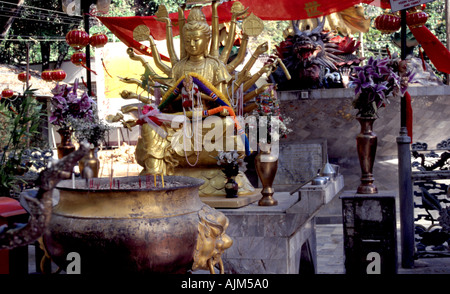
(123, 27)
(435, 50)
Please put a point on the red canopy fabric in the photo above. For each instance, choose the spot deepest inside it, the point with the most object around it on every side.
(123, 27)
(436, 51)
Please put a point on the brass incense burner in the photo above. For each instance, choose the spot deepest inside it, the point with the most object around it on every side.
(131, 229)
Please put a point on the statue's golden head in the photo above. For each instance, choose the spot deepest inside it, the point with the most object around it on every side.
(197, 32)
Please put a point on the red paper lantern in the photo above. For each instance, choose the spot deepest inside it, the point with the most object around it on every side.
(23, 77)
(77, 39)
(58, 75)
(98, 40)
(46, 75)
(416, 19)
(78, 58)
(7, 93)
(387, 23)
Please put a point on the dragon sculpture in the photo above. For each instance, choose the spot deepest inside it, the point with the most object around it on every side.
(314, 58)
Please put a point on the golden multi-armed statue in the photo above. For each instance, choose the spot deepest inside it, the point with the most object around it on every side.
(202, 82)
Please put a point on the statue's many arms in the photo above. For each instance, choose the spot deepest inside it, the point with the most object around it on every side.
(200, 80)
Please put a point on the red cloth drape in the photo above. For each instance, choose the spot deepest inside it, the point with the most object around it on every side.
(435, 50)
(123, 27)
(409, 115)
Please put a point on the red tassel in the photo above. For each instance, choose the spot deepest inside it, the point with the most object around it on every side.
(388, 52)
(421, 57)
(409, 115)
(84, 83)
(88, 69)
(103, 63)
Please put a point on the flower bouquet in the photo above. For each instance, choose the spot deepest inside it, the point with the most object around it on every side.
(66, 105)
(375, 82)
(92, 131)
(268, 116)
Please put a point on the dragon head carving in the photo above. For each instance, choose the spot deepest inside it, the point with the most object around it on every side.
(309, 55)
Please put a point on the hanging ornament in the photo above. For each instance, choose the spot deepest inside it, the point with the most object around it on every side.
(387, 23)
(23, 77)
(78, 58)
(416, 19)
(58, 75)
(7, 93)
(46, 75)
(77, 39)
(98, 40)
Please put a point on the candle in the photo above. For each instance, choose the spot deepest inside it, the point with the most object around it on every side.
(154, 177)
(73, 180)
(162, 180)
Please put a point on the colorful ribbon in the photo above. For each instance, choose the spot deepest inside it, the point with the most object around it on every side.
(203, 85)
(150, 115)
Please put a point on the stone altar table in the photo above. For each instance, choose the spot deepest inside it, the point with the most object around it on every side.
(278, 239)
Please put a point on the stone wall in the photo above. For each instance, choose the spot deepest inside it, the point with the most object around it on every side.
(327, 114)
(298, 162)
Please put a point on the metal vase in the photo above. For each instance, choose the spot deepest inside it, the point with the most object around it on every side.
(266, 166)
(231, 187)
(66, 146)
(366, 144)
(91, 161)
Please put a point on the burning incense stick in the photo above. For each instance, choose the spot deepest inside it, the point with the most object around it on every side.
(111, 174)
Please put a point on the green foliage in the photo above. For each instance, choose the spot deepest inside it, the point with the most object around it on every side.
(38, 24)
(272, 33)
(375, 41)
(19, 126)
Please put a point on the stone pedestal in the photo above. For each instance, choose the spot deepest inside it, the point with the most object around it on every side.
(277, 239)
(370, 234)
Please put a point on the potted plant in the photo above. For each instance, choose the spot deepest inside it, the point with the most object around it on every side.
(374, 83)
(66, 106)
(94, 132)
(20, 119)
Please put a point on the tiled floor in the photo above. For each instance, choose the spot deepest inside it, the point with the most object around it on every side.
(330, 250)
(330, 254)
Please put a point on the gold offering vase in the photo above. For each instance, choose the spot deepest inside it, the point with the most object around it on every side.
(266, 165)
(66, 146)
(91, 161)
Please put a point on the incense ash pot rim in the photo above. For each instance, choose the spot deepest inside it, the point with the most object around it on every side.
(171, 183)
